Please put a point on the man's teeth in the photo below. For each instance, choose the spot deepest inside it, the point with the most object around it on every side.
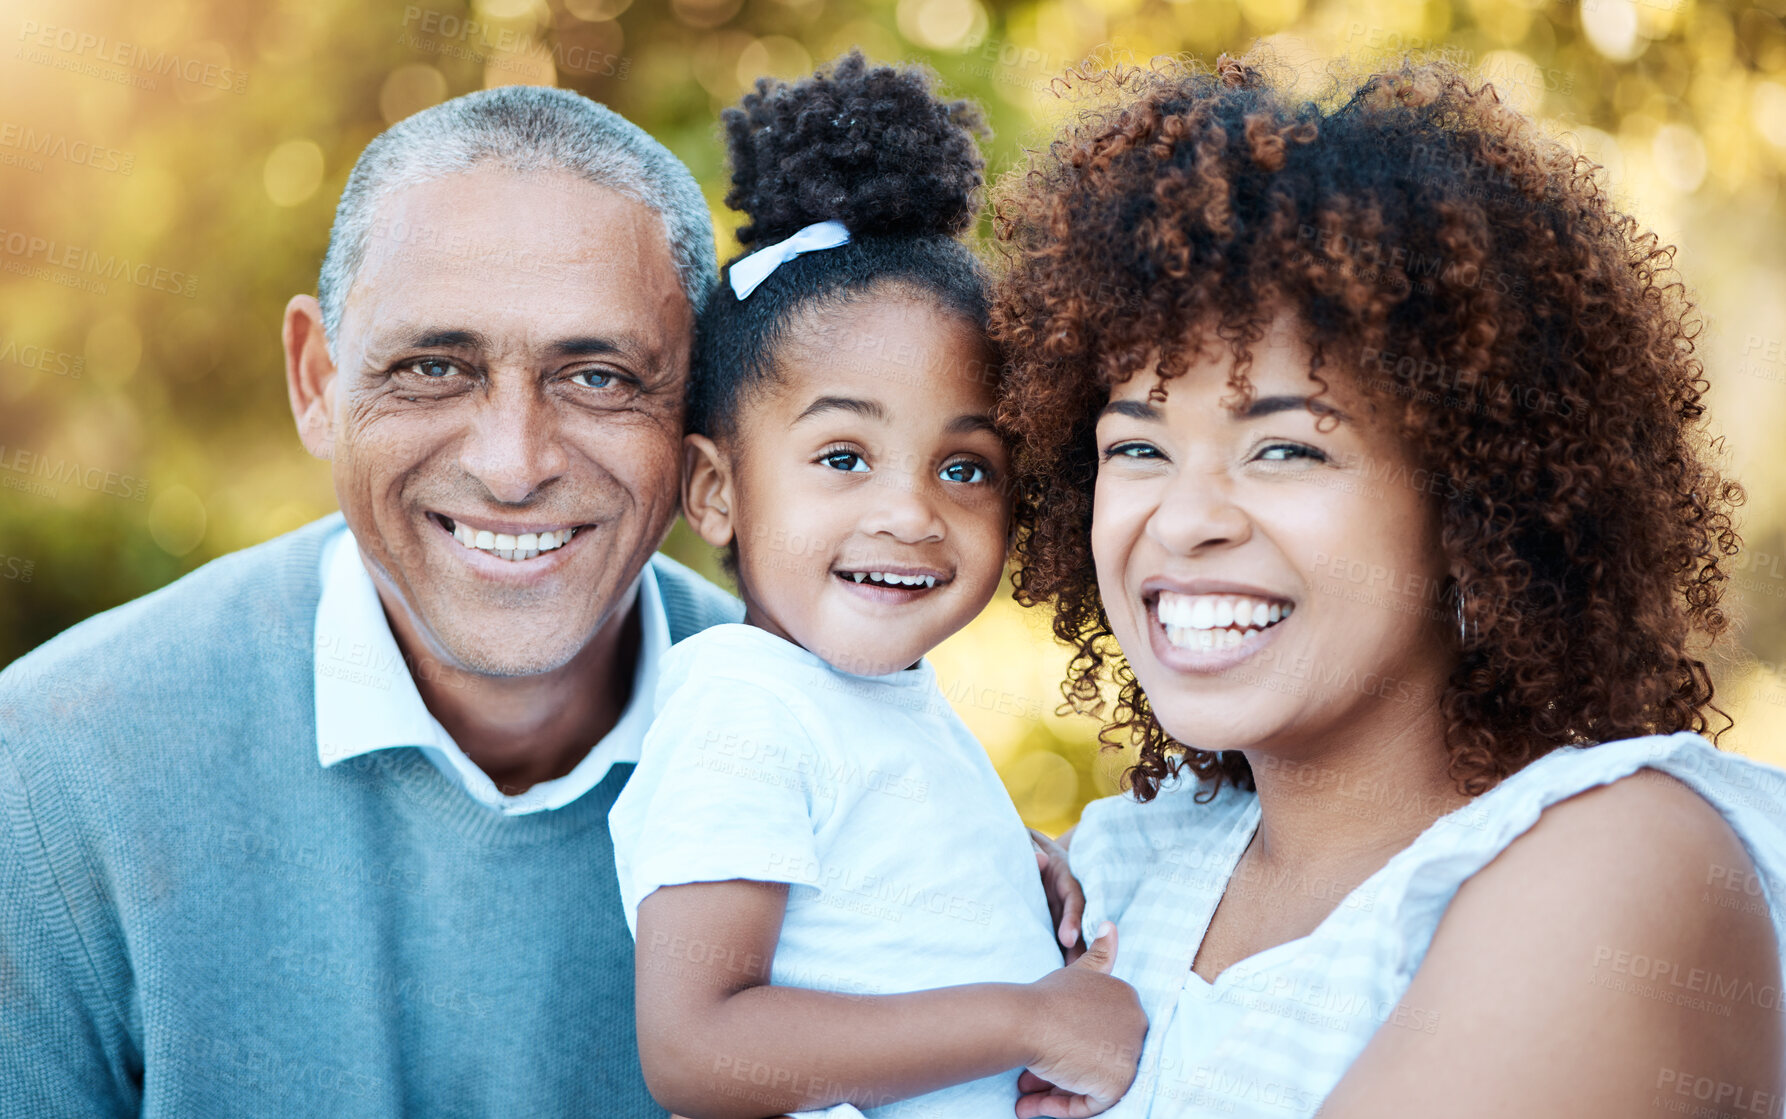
(1212, 621)
(888, 579)
(524, 546)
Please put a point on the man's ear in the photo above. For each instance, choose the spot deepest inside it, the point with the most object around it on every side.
(310, 375)
(707, 496)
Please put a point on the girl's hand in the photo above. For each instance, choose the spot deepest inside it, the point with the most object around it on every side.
(1066, 901)
(1079, 1001)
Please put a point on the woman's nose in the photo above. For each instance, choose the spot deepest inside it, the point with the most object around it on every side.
(1198, 513)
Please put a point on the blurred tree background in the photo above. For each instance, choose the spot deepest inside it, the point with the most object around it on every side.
(169, 170)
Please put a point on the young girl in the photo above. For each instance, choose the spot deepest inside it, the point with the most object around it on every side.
(810, 828)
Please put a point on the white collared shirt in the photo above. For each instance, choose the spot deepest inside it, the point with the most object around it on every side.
(366, 699)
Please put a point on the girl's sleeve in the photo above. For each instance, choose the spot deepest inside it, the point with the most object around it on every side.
(723, 790)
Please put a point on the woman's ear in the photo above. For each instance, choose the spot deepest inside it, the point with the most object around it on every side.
(707, 499)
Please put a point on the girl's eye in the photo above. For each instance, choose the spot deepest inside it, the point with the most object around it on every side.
(845, 460)
(1132, 451)
(1285, 452)
(964, 471)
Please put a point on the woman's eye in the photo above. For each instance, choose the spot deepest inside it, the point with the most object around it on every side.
(968, 472)
(845, 460)
(432, 368)
(1132, 450)
(1285, 452)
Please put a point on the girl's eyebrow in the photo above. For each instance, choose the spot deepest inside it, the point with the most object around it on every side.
(975, 421)
(869, 409)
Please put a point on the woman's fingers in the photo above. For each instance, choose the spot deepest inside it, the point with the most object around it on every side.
(1057, 1105)
(1066, 900)
(1072, 906)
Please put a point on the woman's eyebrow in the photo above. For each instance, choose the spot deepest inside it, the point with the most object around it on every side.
(1134, 409)
(1272, 405)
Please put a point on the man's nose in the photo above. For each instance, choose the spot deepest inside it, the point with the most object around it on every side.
(514, 446)
(1197, 513)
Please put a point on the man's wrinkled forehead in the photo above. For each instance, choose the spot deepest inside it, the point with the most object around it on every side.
(516, 256)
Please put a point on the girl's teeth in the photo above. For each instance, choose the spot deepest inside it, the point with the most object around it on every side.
(888, 579)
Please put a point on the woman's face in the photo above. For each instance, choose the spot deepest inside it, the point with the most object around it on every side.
(1273, 574)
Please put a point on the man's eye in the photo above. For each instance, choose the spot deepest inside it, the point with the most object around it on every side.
(433, 368)
(964, 472)
(594, 378)
(845, 460)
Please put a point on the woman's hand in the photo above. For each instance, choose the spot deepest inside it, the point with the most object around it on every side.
(1078, 1002)
(1066, 901)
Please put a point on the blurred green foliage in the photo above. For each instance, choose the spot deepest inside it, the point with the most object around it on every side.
(168, 174)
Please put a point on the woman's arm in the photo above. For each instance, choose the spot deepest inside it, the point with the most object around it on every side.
(717, 1042)
(1597, 969)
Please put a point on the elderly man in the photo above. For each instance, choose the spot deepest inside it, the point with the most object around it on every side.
(321, 829)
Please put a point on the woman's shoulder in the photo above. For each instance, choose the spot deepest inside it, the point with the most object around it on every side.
(1669, 815)
(1659, 817)
(1640, 905)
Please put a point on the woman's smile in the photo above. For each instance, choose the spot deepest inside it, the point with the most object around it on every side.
(1206, 627)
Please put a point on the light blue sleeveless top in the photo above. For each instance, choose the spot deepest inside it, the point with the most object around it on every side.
(1274, 1034)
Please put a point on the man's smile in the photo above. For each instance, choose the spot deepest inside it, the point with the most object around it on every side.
(511, 541)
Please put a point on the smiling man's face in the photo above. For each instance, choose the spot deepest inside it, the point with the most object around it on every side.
(511, 362)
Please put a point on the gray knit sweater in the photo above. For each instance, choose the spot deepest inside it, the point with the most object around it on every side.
(197, 919)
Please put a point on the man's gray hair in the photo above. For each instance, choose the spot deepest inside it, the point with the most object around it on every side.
(525, 129)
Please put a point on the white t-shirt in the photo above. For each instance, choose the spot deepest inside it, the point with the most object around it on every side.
(907, 865)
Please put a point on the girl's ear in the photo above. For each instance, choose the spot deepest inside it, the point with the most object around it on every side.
(707, 499)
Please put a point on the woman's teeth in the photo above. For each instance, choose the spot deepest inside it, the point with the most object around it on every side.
(888, 579)
(1216, 621)
(524, 546)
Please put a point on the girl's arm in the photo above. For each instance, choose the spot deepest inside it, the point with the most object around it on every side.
(1599, 969)
(717, 1042)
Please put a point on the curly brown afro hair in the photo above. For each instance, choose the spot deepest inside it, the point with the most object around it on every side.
(1475, 282)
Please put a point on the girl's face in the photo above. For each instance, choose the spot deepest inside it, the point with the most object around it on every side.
(867, 487)
(1273, 576)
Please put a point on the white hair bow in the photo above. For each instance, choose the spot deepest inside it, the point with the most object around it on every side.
(752, 270)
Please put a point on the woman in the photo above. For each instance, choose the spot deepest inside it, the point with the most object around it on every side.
(1367, 481)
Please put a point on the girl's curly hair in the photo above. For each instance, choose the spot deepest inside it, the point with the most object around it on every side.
(1475, 282)
(873, 147)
